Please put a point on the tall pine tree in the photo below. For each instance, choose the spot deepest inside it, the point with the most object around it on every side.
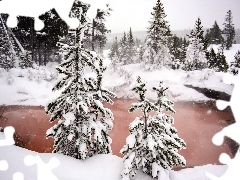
(114, 51)
(7, 55)
(215, 34)
(99, 29)
(123, 49)
(114, 54)
(153, 143)
(229, 30)
(131, 51)
(156, 53)
(83, 122)
(196, 52)
(183, 50)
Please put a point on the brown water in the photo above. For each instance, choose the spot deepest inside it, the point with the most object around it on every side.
(196, 124)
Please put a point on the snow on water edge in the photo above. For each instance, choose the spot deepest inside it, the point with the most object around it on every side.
(101, 167)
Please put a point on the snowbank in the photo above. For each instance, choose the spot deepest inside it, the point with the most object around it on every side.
(100, 167)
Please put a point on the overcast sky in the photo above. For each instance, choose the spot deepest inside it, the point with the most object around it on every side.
(181, 14)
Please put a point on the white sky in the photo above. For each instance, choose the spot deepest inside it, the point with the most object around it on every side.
(181, 14)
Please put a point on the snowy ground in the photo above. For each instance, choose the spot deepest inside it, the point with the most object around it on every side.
(17, 89)
(99, 167)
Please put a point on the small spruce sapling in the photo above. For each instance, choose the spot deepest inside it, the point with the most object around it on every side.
(153, 143)
(235, 64)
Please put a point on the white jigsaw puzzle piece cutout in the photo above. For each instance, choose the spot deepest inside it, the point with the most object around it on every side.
(35, 8)
(8, 141)
(18, 176)
(3, 165)
(232, 172)
(232, 131)
(44, 170)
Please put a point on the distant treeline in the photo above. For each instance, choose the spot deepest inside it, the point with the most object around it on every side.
(141, 35)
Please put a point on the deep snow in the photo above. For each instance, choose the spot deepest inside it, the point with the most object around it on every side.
(99, 167)
(17, 89)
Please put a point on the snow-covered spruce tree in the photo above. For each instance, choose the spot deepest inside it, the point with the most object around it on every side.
(196, 51)
(235, 64)
(99, 29)
(211, 58)
(114, 54)
(229, 30)
(7, 59)
(26, 60)
(114, 51)
(182, 51)
(131, 51)
(123, 58)
(215, 34)
(153, 143)
(156, 53)
(83, 122)
(221, 63)
(175, 44)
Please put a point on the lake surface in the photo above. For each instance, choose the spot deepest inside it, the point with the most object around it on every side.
(196, 124)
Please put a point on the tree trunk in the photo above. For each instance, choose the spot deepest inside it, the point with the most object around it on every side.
(145, 118)
(45, 51)
(93, 34)
(40, 53)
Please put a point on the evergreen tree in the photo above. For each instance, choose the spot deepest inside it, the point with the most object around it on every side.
(208, 36)
(175, 50)
(114, 54)
(83, 122)
(215, 34)
(99, 29)
(153, 142)
(176, 43)
(42, 44)
(221, 63)
(156, 53)
(7, 58)
(235, 64)
(198, 33)
(217, 61)
(196, 52)
(114, 51)
(229, 30)
(212, 59)
(131, 51)
(182, 51)
(26, 60)
(123, 57)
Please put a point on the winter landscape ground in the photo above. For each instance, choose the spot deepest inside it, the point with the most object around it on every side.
(18, 88)
(38, 91)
